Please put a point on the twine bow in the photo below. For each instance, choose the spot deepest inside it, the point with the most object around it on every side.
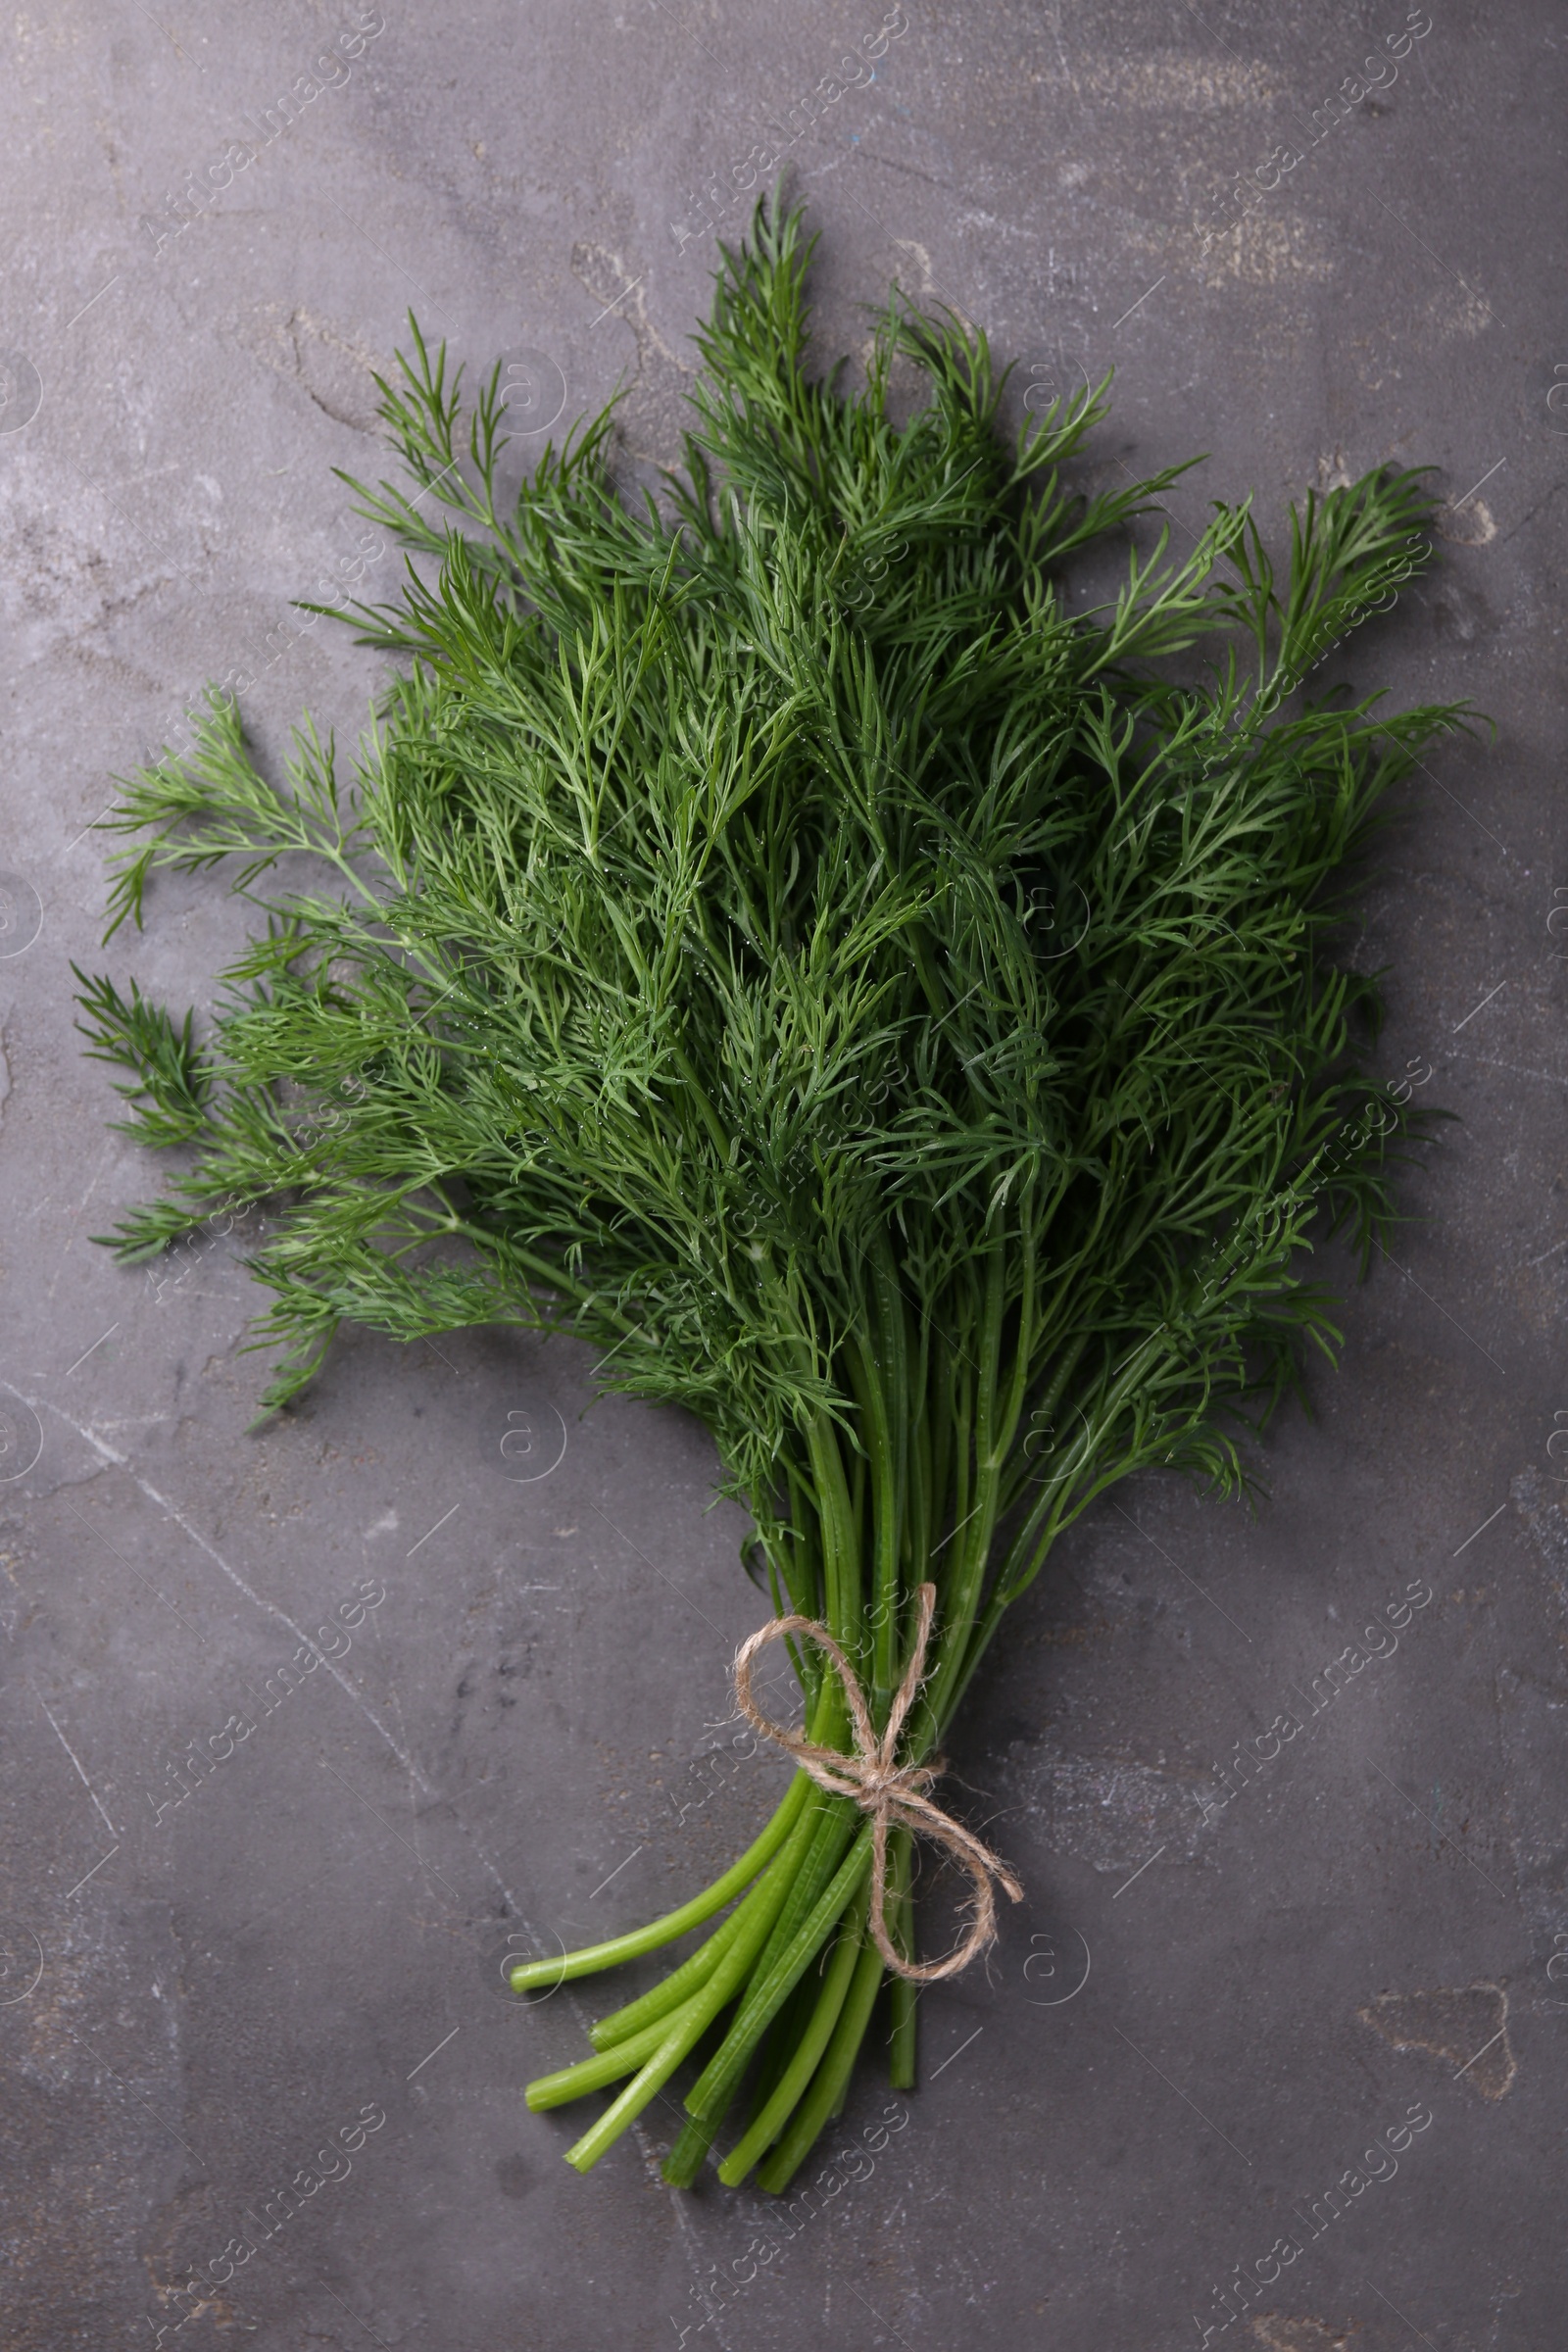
(888, 1790)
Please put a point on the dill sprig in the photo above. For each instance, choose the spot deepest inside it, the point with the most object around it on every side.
(771, 938)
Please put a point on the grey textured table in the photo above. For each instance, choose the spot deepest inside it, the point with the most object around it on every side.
(1246, 1955)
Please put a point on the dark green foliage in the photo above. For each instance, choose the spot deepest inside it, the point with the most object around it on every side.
(903, 1028)
(169, 1087)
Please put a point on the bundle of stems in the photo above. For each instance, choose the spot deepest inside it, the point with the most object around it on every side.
(773, 938)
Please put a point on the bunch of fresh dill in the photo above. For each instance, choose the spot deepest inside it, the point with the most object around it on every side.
(901, 1028)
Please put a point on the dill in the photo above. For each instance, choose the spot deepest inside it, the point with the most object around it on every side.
(770, 937)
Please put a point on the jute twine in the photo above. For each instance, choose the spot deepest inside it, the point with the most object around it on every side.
(888, 1790)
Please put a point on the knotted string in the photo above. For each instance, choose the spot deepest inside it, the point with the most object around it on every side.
(886, 1789)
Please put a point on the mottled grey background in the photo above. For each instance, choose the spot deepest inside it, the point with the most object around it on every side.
(191, 2000)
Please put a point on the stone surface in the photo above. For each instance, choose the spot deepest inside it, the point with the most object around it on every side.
(1467, 2025)
(1164, 2069)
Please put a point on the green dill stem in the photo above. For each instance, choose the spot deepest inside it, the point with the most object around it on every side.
(1062, 1512)
(918, 1517)
(593, 2074)
(784, 2034)
(528, 1974)
(939, 1430)
(671, 1991)
(1027, 1554)
(584, 2153)
(888, 1381)
(858, 1482)
(902, 1994)
(801, 1561)
(771, 1984)
(766, 2125)
(877, 1435)
(826, 2094)
(686, 2158)
(903, 2005)
(745, 1942)
(971, 1537)
(834, 1825)
(686, 2029)
(1066, 1363)
(1023, 1347)
(840, 1566)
